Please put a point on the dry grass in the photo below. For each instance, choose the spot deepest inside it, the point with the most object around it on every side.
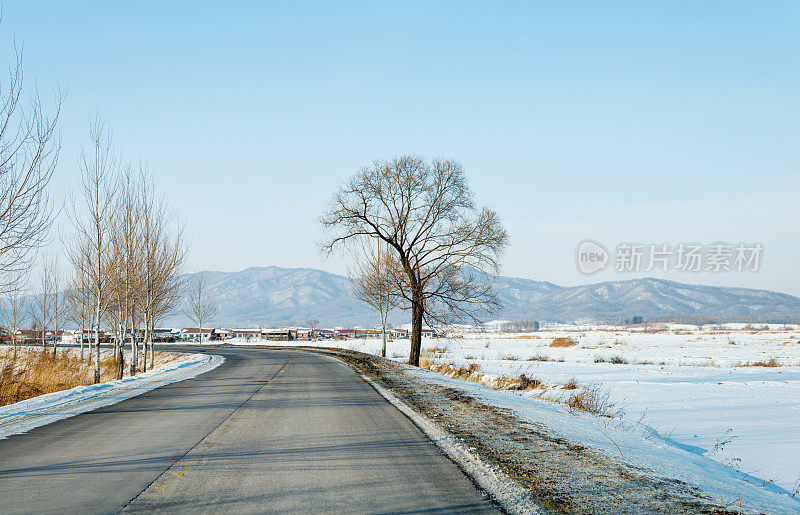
(539, 357)
(771, 363)
(32, 372)
(616, 360)
(563, 342)
(523, 382)
(509, 357)
(472, 373)
(572, 384)
(592, 401)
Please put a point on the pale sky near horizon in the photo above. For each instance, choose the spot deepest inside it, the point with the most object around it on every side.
(649, 122)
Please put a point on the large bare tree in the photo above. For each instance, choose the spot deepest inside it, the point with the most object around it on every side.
(444, 244)
(28, 155)
(372, 276)
(200, 307)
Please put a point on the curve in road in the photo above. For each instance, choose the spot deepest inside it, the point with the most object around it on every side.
(267, 431)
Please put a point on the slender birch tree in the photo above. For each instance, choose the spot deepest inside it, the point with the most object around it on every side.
(91, 221)
(200, 306)
(371, 281)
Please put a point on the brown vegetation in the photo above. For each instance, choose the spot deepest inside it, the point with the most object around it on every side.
(592, 401)
(29, 372)
(771, 363)
(563, 342)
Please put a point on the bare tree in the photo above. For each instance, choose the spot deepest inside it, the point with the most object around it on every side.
(98, 167)
(14, 309)
(28, 155)
(48, 311)
(443, 243)
(200, 307)
(371, 281)
(126, 238)
(164, 252)
(57, 304)
(312, 323)
(78, 297)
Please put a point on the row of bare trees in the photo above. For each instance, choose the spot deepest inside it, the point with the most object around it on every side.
(421, 242)
(126, 251)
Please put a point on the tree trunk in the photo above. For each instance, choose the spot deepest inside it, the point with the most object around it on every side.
(97, 341)
(383, 333)
(416, 332)
(152, 350)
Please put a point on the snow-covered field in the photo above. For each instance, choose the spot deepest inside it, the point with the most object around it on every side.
(702, 390)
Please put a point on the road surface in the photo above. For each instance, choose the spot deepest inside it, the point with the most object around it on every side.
(267, 431)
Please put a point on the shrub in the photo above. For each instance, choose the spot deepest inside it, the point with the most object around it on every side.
(618, 360)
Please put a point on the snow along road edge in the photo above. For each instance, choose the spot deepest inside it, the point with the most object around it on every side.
(23, 416)
(505, 491)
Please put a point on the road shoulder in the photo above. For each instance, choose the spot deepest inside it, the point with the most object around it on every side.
(552, 472)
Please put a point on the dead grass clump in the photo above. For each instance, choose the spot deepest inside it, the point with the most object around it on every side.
(509, 357)
(572, 384)
(523, 382)
(599, 359)
(435, 352)
(590, 400)
(32, 372)
(539, 357)
(450, 370)
(771, 363)
(563, 342)
(529, 383)
(618, 360)
(620, 342)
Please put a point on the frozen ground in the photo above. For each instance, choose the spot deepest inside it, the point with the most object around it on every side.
(31, 413)
(697, 389)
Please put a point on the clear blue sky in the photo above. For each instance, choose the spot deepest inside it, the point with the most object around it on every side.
(653, 122)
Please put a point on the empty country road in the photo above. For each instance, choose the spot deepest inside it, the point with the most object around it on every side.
(267, 431)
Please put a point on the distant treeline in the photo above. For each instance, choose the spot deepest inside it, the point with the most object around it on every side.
(521, 326)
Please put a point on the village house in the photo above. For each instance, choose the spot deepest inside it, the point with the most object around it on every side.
(193, 333)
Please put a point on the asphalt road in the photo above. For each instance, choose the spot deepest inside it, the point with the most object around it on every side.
(267, 431)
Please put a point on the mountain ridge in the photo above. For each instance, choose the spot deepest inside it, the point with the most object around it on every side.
(278, 296)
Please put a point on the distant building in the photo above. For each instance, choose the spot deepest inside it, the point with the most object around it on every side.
(277, 334)
(246, 333)
(193, 333)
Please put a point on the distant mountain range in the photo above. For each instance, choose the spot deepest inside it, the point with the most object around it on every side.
(274, 296)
